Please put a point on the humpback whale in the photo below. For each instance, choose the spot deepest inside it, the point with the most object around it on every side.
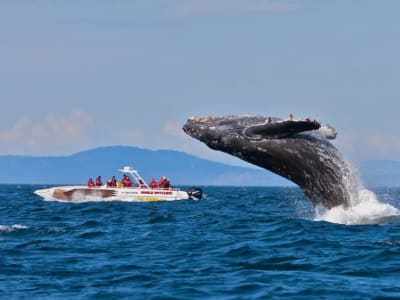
(298, 150)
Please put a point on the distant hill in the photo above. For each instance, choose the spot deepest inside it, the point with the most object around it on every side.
(179, 167)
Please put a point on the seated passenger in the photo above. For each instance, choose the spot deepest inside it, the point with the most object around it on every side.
(90, 183)
(126, 181)
(113, 181)
(98, 181)
(153, 184)
(141, 184)
(161, 182)
(164, 183)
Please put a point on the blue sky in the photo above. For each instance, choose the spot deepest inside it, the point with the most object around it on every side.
(81, 74)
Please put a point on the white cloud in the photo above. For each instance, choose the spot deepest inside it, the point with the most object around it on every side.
(371, 145)
(238, 6)
(59, 133)
(385, 143)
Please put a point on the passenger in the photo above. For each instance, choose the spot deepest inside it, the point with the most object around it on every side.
(290, 117)
(123, 180)
(141, 184)
(98, 181)
(113, 181)
(153, 184)
(126, 181)
(90, 183)
(167, 184)
(109, 183)
(161, 182)
(164, 183)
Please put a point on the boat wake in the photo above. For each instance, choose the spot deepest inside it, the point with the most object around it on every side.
(14, 227)
(86, 199)
(367, 209)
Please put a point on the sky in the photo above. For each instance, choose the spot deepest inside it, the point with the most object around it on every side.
(76, 75)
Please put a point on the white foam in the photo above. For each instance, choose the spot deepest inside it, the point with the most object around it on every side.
(15, 227)
(367, 210)
(363, 207)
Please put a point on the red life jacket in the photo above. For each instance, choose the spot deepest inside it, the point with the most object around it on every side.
(127, 182)
(98, 181)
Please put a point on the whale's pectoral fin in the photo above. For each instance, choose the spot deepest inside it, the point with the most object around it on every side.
(280, 129)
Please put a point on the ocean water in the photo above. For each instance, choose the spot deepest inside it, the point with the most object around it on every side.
(236, 243)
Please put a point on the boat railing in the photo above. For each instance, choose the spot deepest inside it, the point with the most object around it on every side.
(138, 187)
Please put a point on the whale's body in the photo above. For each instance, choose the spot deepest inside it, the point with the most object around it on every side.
(297, 150)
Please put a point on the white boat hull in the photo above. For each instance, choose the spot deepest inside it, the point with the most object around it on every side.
(134, 194)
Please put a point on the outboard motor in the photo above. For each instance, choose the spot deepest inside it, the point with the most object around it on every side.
(195, 193)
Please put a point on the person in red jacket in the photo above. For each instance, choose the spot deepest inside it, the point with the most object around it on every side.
(126, 181)
(90, 183)
(98, 181)
(153, 184)
(113, 181)
(164, 183)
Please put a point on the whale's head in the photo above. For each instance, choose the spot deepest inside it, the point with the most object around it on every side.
(298, 150)
(218, 132)
(223, 132)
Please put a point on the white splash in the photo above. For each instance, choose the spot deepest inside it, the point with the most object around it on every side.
(364, 207)
(15, 227)
(368, 210)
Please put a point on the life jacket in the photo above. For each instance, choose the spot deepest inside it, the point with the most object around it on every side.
(98, 181)
(153, 184)
(127, 182)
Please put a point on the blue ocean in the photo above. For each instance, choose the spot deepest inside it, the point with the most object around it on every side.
(235, 243)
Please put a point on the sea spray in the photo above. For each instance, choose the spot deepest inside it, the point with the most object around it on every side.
(14, 227)
(364, 206)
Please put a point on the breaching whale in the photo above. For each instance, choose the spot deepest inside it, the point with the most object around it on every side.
(298, 150)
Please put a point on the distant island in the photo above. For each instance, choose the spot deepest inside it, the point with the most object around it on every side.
(180, 167)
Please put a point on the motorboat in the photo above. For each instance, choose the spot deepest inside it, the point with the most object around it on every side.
(140, 191)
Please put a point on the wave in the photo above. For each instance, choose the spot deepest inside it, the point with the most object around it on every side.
(10, 228)
(367, 210)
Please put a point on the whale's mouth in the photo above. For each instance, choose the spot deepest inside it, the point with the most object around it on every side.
(204, 129)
